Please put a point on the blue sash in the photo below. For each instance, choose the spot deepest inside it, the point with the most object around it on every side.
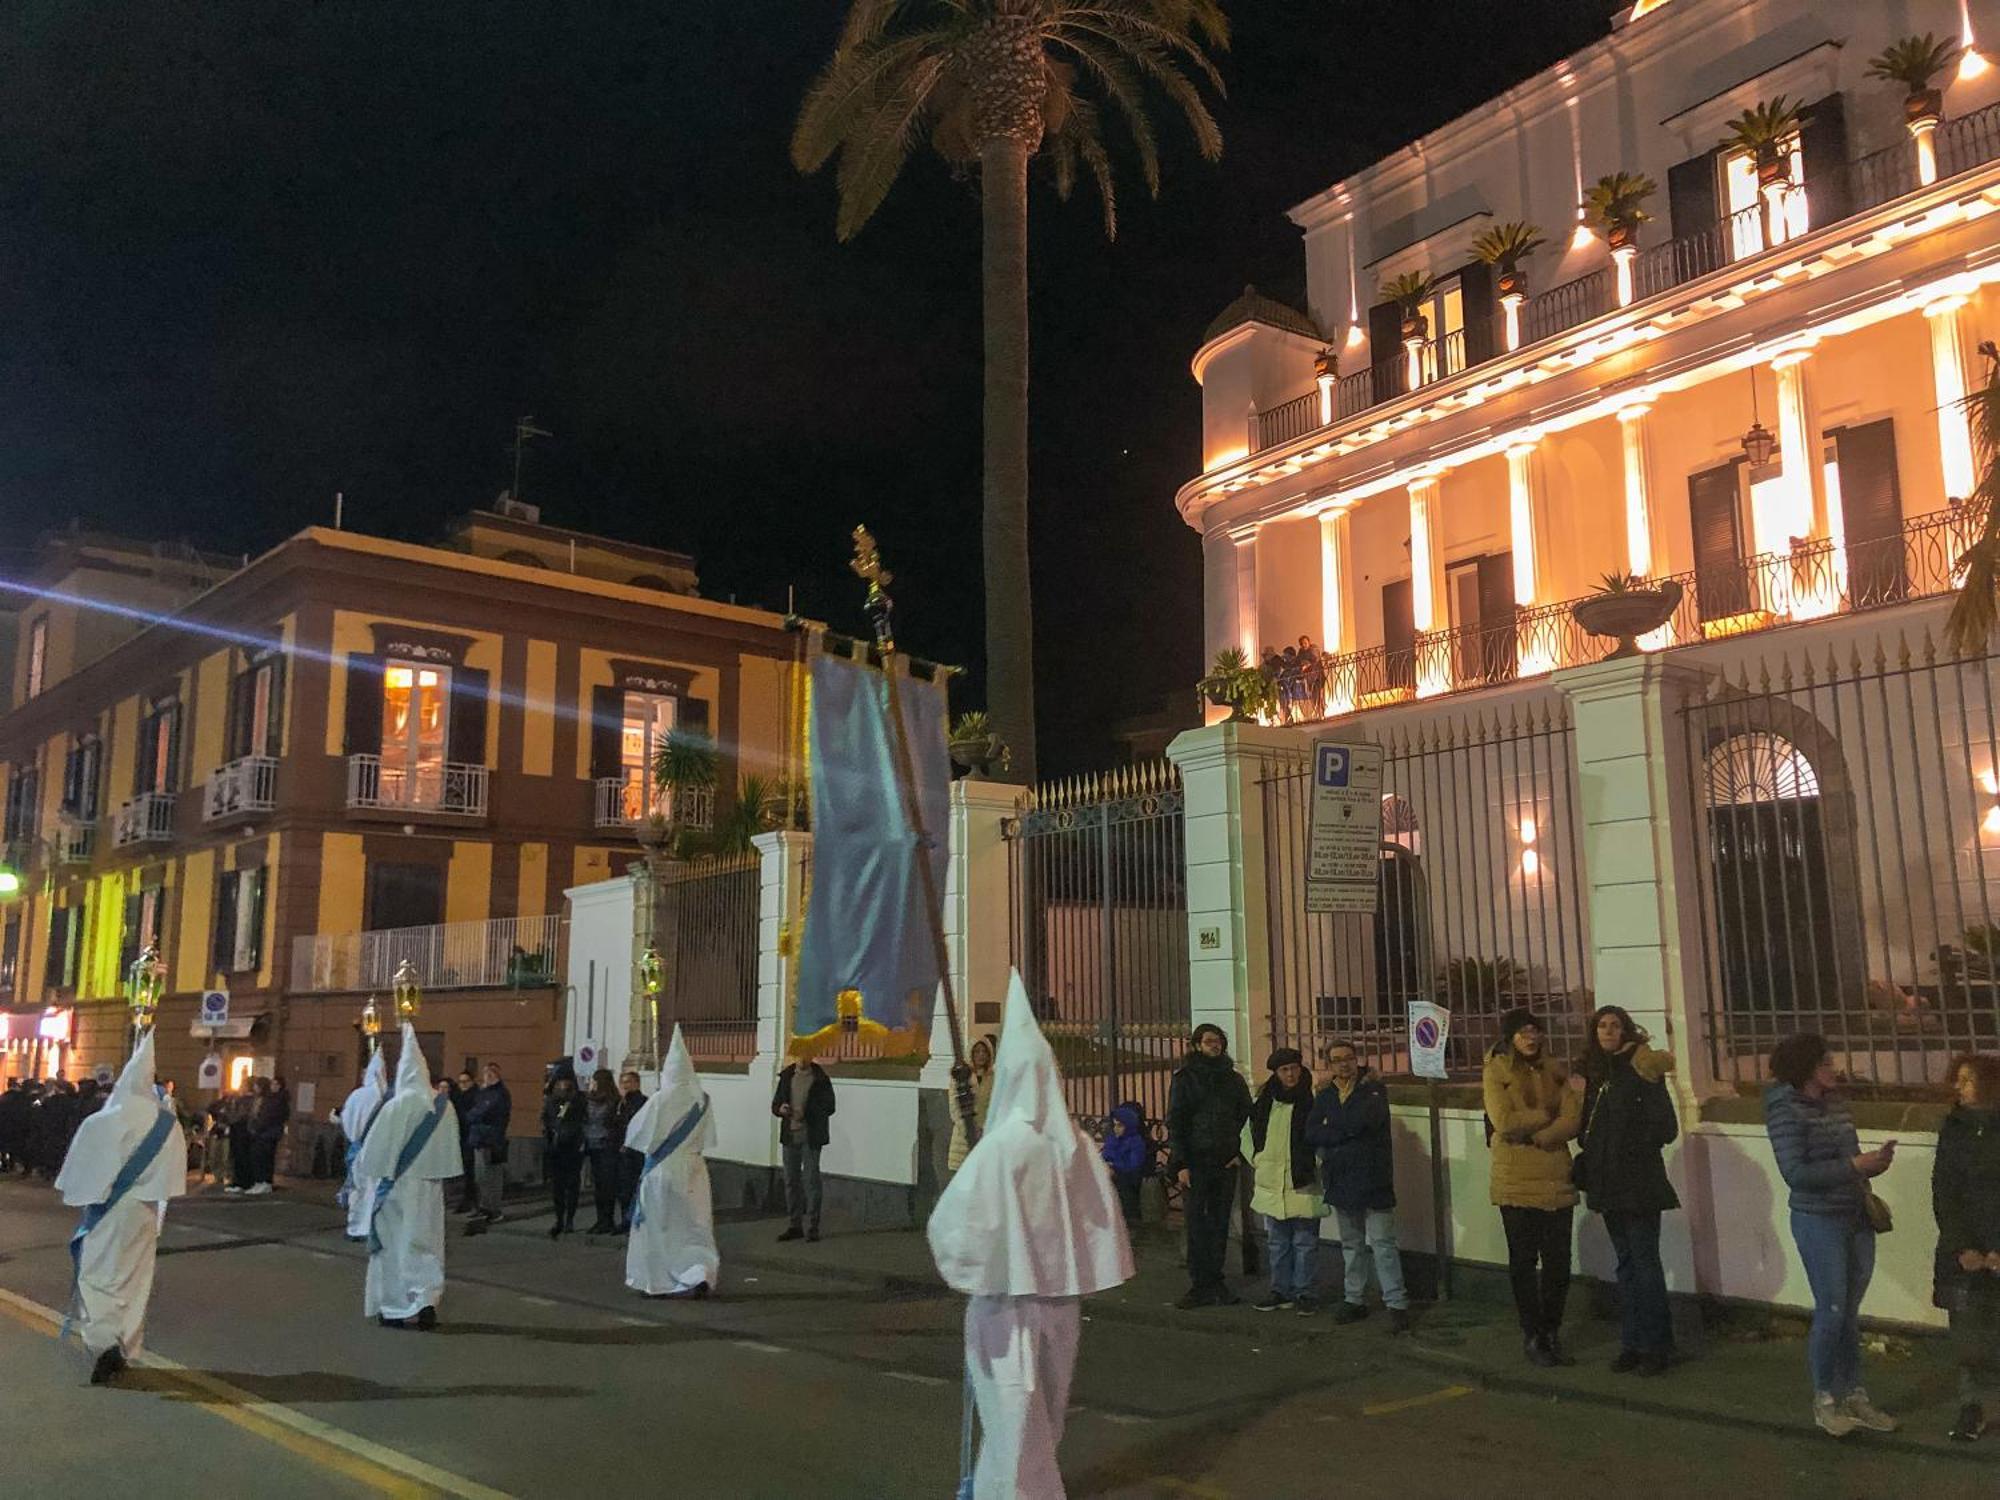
(134, 1168)
(354, 1154)
(676, 1138)
(412, 1149)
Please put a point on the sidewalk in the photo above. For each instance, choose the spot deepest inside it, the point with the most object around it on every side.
(1749, 1373)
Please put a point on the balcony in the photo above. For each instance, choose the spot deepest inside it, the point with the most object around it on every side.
(1866, 183)
(1814, 581)
(147, 819)
(627, 801)
(449, 787)
(74, 842)
(506, 952)
(248, 785)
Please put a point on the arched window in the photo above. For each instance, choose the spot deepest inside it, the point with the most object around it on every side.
(1758, 766)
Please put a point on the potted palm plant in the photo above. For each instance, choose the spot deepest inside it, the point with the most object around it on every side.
(1626, 606)
(1763, 130)
(686, 765)
(1237, 685)
(1409, 292)
(974, 745)
(1326, 365)
(1504, 247)
(1913, 61)
(1616, 205)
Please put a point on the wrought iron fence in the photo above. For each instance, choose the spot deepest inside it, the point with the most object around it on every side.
(1293, 419)
(705, 928)
(248, 784)
(1969, 141)
(1549, 313)
(506, 951)
(1099, 932)
(446, 787)
(1846, 810)
(1479, 891)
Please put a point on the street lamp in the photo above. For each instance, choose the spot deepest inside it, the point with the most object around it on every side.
(409, 993)
(371, 1020)
(147, 981)
(649, 980)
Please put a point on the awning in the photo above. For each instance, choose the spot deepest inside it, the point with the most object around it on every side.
(226, 1031)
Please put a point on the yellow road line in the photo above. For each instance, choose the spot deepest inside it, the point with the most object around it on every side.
(381, 1469)
(1449, 1393)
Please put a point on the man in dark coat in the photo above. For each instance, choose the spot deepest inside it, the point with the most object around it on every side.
(1349, 1126)
(15, 1106)
(486, 1120)
(804, 1101)
(631, 1098)
(1206, 1108)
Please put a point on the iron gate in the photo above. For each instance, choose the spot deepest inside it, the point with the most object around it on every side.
(705, 928)
(1099, 932)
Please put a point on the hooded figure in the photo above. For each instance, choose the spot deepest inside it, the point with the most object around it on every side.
(127, 1160)
(411, 1151)
(670, 1251)
(357, 1116)
(1030, 1223)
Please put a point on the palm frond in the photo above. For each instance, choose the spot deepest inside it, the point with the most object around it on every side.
(1973, 613)
(875, 153)
(1083, 140)
(1159, 64)
(846, 93)
(1121, 86)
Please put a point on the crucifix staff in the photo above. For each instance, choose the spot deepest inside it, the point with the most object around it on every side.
(867, 565)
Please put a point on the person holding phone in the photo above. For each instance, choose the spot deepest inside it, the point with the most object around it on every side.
(1820, 1157)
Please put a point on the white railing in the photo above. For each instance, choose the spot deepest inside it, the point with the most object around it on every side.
(246, 785)
(74, 842)
(627, 801)
(446, 788)
(148, 818)
(518, 951)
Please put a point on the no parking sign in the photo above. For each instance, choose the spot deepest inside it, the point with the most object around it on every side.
(1430, 1029)
(589, 1058)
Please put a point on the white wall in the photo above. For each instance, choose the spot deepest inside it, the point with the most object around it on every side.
(600, 966)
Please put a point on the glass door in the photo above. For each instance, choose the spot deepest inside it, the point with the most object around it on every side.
(649, 718)
(414, 711)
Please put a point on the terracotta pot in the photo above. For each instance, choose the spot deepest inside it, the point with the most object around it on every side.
(1623, 617)
(1773, 168)
(1326, 365)
(1622, 237)
(1416, 329)
(976, 755)
(1923, 105)
(1511, 283)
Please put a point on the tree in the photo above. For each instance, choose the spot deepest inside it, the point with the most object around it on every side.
(1972, 616)
(989, 84)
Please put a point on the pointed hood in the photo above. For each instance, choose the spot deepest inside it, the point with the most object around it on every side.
(106, 1140)
(359, 1107)
(403, 1116)
(680, 1090)
(1033, 1212)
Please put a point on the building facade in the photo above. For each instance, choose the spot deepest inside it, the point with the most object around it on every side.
(346, 753)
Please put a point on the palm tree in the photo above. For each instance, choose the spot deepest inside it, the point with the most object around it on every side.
(1972, 616)
(989, 83)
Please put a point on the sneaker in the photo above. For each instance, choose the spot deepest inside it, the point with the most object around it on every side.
(1271, 1302)
(233, 1190)
(1305, 1306)
(1226, 1298)
(1399, 1320)
(794, 1233)
(1626, 1362)
(258, 1191)
(1349, 1312)
(1867, 1414)
(1195, 1297)
(1831, 1417)
(1970, 1424)
(1557, 1354)
(1537, 1353)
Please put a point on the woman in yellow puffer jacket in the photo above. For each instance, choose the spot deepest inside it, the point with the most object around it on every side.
(1533, 1114)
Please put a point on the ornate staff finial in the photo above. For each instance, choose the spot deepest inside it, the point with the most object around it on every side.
(867, 565)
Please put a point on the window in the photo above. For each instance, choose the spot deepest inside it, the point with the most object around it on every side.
(65, 944)
(414, 713)
(402, 895)
(10, 952)
(23, 799)
(256, 701)
(649, 718)
(80, 778)
(38, 655)
(239, 921)
(159, 747)
(1445, 353)
(1480, 595)
(1749, 232)
(145, 922)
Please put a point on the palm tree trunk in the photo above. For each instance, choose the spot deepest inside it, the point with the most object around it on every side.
(1010, 647)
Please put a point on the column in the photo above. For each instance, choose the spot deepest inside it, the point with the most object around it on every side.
(1639, 559)
(1428, 605)
(1229, 951)
(1524, 518)
(1952, 380)
(1246, 593)
(780, 919)
(1336, 604)
(1218, 587)
(1811, 588)
(977, 892)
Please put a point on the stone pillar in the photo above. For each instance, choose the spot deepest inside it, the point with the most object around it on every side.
(1229, 954)
(978, 890)
(1218, 588)
(1247, 629)
(1336, 581)
(1802, 445)
(1427, 602)
(780, 921)
(1640, 556)
(1526, 535)
(1952, 379)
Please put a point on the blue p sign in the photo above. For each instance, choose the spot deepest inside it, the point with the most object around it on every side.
(1333, 763)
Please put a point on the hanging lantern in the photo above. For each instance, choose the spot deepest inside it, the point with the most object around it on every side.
(146, 982)
(1758, 444)
(649, 971)
(371, 1020)
(409, 994)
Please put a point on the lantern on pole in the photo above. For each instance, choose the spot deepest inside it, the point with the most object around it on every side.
(146, 982)
(409, 993)
(649, 981)
(371, 1020)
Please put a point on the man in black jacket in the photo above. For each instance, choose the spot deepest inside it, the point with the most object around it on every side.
(486, 1120)
(804, 1101)
(630, 1163)
(1206, 1109)
(1349, 1126)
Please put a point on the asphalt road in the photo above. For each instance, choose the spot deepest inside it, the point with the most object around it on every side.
(547, 1378)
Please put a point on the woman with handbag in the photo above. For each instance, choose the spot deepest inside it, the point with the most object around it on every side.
(1835, 1218)
(1628, 1120)
(1965, 1195)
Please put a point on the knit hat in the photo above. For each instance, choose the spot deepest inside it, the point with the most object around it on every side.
(1282, 1056)
(1514, 1020)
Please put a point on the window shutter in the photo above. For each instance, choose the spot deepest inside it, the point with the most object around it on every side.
(1498, 655)
(1823, 146)
(128, 941)
(1694, 196)
(222, 951)
(171, 781)
(691, 714)
(466, 733)
(363, 732)
(607, 724)
(1721, 586)
(58, 947)
(1399, 635)
(90, 767)
(1475, 290)
(238, 718)
(274, 723)
(1385, 347)
(1871, 505)
(72, 782)
(149, 744)
(250, 933)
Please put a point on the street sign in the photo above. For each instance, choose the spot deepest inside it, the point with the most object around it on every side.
(105, 1074)
(589, 1058)
(1344, 840)
(209, 1074)
(214, 1007)
(1430, 1029)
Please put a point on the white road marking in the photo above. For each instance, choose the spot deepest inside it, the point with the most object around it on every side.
(536, 1301)
(760, 1348)
(637, 1322)
(913, 1377)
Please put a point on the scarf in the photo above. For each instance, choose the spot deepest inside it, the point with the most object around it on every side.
(1304, 1173)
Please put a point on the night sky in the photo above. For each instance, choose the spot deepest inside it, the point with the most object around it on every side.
(252, 253)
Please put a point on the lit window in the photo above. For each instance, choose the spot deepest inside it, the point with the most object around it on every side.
(38, 654)
(1445, 353)
(413, 733)
(649, 718)
(1748, 230)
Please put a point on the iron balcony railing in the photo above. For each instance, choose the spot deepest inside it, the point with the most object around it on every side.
(447, 787)
(147, 819)
(506, 951)
(627, 801)
(74, 842)
(249, 784)
(1814, 580)
(1868, 182)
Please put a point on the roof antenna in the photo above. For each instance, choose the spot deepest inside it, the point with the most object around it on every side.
(339, 503)
(523, 431)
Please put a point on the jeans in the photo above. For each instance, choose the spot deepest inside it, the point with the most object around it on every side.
(1365, 1234)
(1839, 1257)
(604, 1183)
(566, 1183)
(1644, 1322)
(1292, 1245)
(1211, 1194)
(1538, 1266)
(802, 1185)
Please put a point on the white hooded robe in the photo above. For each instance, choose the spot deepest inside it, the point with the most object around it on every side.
(357, 1115)
(406, 1239)
(115, 1270)
(1028, 1225)
(671, 1245)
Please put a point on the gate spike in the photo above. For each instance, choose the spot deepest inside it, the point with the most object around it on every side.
(1930, 648)
(1903, 650)
(1881, 658)
(1811, 678)
(1785, 674)
(1763, 677)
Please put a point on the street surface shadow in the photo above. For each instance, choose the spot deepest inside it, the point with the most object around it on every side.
(320, 1385)
(624, 1333)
